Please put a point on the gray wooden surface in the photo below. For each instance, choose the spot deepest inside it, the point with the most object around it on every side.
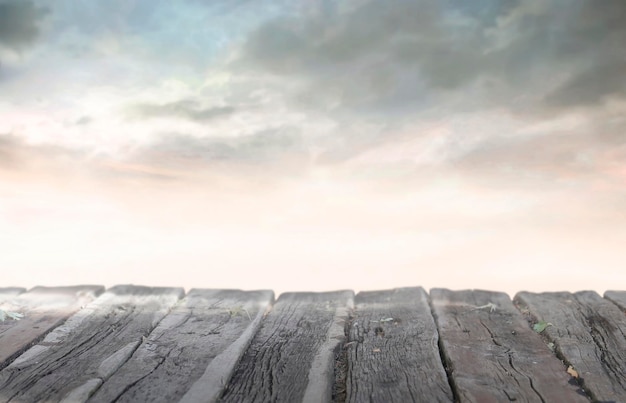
(291, 357)
(136, 344)
(392, 351)
(75, 358)
(44, 308)
(213, 381)
(178, 351)
(588, 331)
(618, 298)
(492, 353)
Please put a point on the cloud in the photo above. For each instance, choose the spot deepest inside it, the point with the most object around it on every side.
(185, 109)
(8, 146)
(18, 23)
(18, 155)
(592, 86)
(181, 38)
(576, 45)
(366, 56)
(350, 78)
(381, 56)
(582, 152)
(83, 120)
(265, 146)
(25, 160)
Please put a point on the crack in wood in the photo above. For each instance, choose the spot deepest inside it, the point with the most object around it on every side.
(341, 362)
(582, 330)
(370, 361)
(445, 361)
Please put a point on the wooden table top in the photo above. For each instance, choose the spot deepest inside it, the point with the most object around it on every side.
(146, 344)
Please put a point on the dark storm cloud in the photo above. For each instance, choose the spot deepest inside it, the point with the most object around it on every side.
(185, 109)
(368, 55)
(18, 23)
(263, 146)
(390, 53)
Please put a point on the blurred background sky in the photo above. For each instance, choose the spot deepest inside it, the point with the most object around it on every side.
(314, 145)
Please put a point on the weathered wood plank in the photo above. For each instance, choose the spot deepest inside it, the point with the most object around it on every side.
(190, 347)
(618, 298)
(588, 332)
(493, 355)
(393, 353)
(291, 357)
(43, 308)
(76, 357)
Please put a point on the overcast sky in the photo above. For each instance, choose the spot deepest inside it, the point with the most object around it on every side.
(314, 144)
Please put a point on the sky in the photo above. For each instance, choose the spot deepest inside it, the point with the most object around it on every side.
(314, 144)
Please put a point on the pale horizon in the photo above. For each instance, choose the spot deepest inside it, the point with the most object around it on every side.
(313, 145)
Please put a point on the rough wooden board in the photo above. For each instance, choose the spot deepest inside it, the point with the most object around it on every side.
(393, 353)
(618, 298)
(494, 356)
(197, 332)
(291, 357)
(43, 308)
(90, 346)
(588, 332)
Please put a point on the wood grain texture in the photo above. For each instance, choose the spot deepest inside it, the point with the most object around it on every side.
(43, 308)
(393, 353)
(618, 298)
(291, 357)
(589, 333)
(178, 352)
(493, 355)
(76, 357)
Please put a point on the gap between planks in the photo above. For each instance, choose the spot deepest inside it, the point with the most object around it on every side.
(342, 334)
